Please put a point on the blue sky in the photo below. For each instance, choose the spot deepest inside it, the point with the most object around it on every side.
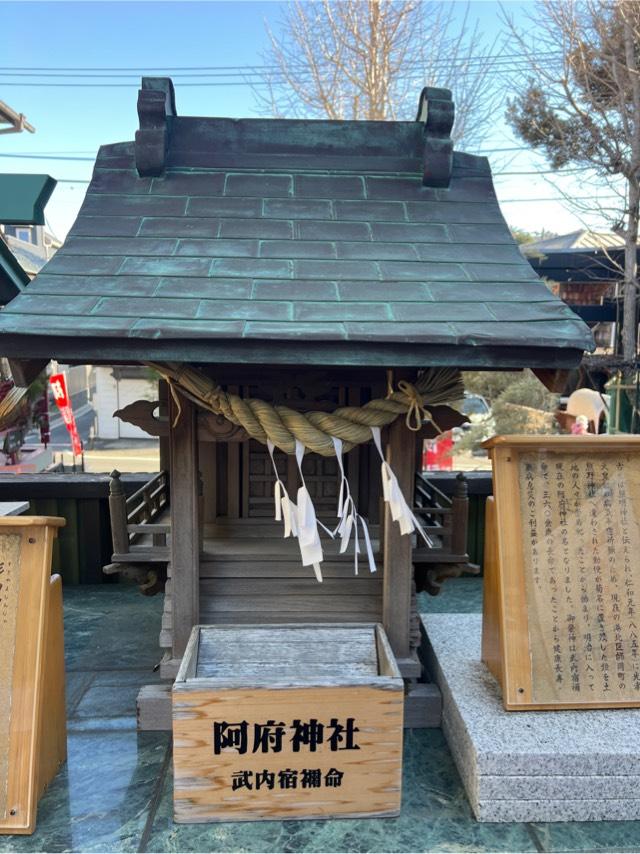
(157, 36)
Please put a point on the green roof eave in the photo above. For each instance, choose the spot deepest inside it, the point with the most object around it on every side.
(23, 198)
(347, 354)
(12, 277)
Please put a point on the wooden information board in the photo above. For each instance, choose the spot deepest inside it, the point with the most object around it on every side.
(561, 623)
(32, 713)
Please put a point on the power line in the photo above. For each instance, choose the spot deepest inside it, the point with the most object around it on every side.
(63, 151)
(48, 157)
(498, 150)
(251, 75)
(545, 172)
(73, 70)
(66, 152)
(52, 154)
(560, 199)
(123, 85)
(195, 71)
(495, 174)
(183, 84)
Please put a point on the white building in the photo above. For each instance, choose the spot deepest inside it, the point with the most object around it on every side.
(32, 245)
(115, 388)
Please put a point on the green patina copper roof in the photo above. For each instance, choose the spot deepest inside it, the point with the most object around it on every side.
(291, 241)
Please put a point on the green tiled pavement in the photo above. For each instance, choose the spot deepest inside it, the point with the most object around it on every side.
(114, 794)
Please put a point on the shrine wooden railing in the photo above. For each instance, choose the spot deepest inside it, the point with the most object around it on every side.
(444, 519)
(135, 536)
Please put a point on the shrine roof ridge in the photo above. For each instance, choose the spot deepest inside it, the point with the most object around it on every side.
(164, 139)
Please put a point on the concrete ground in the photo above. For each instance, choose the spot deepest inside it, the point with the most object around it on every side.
(132, 455)
(467, 461)
(115, 791)
(126, 455)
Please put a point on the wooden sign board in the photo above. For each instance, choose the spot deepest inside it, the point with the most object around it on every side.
(32, 711)
(561, 622)
(287, 722)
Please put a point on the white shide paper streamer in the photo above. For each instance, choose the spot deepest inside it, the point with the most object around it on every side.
(300, 521)
(349, 518)
(392, 494)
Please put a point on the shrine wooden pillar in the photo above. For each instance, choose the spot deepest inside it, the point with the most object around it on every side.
(163, 412)
(397, 549)
(185, 539)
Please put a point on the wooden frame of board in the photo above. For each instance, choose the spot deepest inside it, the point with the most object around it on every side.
(32, 714)
(512, 640)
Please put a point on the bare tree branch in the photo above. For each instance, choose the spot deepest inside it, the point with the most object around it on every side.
(368, 59)
(585, 110)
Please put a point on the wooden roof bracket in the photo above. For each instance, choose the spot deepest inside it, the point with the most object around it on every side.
(437, 110)
(156, 106)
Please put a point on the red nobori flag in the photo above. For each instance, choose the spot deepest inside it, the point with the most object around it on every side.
(59, 388)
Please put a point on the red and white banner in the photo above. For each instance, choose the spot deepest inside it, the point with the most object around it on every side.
(59, 388)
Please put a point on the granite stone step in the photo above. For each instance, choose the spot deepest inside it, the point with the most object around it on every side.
(529, 766)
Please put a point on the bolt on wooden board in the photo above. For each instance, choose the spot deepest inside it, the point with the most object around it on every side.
(32, 709)
(561, 621)
(287, 721)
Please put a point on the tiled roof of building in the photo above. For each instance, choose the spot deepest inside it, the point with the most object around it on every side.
(581, 239)
(263, 240)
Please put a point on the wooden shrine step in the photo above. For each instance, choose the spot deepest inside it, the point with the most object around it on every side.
(260, 527)
(285, 567)
(251, 591)
(437, 556)
(149, 554)
(272, 548)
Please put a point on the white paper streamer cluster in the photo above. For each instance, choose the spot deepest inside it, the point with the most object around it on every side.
(349, 517)
(300, 521)
(299, 518)
(392, 494)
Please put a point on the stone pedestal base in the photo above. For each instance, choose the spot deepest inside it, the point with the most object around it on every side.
(529, 766)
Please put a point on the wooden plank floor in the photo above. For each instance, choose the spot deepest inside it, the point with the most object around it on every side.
(243, 539)
(238, 546)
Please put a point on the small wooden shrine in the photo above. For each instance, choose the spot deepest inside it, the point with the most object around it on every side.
(305, 266)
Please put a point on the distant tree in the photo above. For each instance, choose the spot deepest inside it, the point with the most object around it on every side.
(489, 384)
(368, 59)
(583, 109)
(521, 236)
(519, 402)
